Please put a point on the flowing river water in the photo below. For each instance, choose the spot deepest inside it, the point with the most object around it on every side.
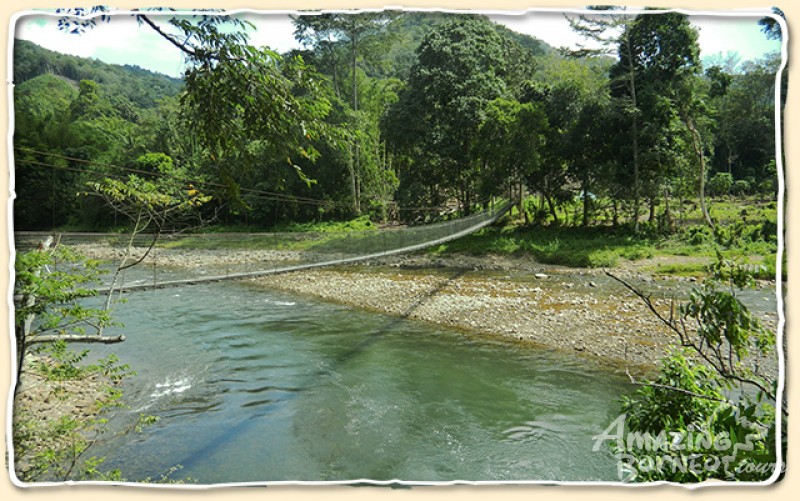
(253, 385)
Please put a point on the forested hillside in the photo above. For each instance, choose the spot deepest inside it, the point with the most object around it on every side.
(73, 116)
(139, 87)
(404, 116)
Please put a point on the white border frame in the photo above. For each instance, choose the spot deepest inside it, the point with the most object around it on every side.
(629, 11)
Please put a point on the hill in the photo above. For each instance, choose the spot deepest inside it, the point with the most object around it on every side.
(138, 87)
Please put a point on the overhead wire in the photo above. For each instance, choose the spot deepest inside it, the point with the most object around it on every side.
(265, 194)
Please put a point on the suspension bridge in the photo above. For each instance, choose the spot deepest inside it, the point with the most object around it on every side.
(320, 250)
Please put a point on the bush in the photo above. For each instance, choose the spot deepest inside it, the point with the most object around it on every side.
(720, 184)
(699, 235)
(708, 414)
(740, 187)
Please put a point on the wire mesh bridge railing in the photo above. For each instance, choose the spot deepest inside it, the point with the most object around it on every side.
(187, 259)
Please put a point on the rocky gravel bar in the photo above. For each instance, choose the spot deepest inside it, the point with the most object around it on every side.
(587, 314)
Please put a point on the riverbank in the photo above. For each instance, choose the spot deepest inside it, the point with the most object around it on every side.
(222, 259)
(52, 417)
(578, 310)
(584, 313)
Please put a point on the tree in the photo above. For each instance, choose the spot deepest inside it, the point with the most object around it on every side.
(437, 117)
(511, 141)
(720, 184)
(362, 35)
(574, 96)
(164, 201)
(655, 75)
(770, 26)
(709, 388)
(609, 29)
(589, 164)
(235, 93)
(52, 284)
(745, 116)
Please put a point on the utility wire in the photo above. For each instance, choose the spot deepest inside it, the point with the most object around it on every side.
(270, 195)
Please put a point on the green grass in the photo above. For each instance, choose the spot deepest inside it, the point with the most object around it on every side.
(746, 227)
(362, 223)
(602, 246)
(577, 247)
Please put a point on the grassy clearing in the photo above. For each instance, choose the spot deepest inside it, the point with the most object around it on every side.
(579, 247)
(745, 228)
(362, 223)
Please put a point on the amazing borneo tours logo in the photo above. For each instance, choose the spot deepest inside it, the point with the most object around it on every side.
(686, 454)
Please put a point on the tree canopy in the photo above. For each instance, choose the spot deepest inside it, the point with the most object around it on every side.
(398, 115)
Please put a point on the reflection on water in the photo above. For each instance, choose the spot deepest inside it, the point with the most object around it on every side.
(253, 385)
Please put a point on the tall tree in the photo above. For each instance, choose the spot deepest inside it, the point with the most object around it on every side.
(659, 61)
(359, 32)
(438, 116)
(612, 29)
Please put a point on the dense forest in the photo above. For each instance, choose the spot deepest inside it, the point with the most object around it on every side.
(406, 117)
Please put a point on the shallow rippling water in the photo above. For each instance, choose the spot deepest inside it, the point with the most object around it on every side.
(252, 385)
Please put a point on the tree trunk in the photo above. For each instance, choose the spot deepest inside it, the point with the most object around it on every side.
(652, 216)
(586, 202)
(667, 213)
(635, 125)
(23, 331)
(356, 168)
(697, 145)
(553, 212)
(353, 188)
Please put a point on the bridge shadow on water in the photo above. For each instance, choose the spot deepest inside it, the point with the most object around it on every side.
(376, 336)
(395, 321)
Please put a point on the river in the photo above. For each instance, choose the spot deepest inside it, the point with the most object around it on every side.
(252, 385)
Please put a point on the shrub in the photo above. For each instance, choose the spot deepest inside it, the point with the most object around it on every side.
(740, 187)
(720, 184)
(708, 414)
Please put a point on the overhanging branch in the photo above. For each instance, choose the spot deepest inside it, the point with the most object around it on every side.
(76, 339)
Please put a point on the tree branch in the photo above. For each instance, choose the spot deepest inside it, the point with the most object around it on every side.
(725, 372)
(676, 389)
(167, 36)
(146, 253)
(76, 339)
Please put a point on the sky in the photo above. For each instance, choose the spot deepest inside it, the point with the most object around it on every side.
(122, 41)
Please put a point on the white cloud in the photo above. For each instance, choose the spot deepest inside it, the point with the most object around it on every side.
(42, 31)
(717, 33)
(119, 41)
(276, 31)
